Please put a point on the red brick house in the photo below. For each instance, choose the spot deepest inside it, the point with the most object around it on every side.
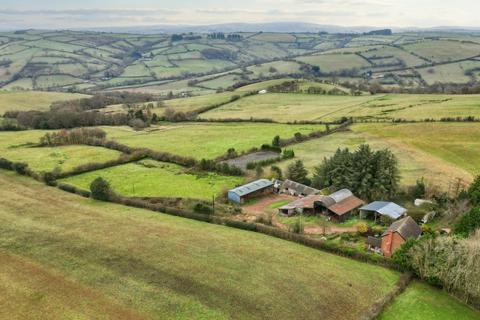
(398, 233)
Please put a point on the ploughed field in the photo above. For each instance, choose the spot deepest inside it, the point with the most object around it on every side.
(79, 258)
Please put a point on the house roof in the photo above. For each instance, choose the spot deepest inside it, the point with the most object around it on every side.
(346, 205)
(307, 202)
(252, 187)
(299, 188)
(341, 195)
(385, 208)
(406, 227)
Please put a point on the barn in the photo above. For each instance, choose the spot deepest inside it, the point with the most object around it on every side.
(340, 205)
(303, 205)
(297, 189)
(383, 208)
(250, 190)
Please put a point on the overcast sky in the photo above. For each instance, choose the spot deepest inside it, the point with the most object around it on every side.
(15, 14)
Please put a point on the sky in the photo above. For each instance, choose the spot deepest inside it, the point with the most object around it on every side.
(64, 14)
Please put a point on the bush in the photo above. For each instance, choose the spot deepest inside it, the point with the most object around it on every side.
(474, 192)
(241, 225)
(266, 219)
(297, 227)
(401, 258)
(203, 208)
(362, 228)
(468, 223)
(20, 167)
(100, 189)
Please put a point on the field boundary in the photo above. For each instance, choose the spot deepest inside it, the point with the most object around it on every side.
(379, 306)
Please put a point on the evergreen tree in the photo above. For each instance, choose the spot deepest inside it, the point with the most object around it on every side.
(371, 175)
(297, 172)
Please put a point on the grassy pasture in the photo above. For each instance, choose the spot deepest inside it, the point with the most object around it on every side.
(444, 50)
(423, 302)
(32, 100)
(206, 140)
(452, 72)
(335, 62)
(17, 146)
(290, 107)
(455, 143)
(150, 178)
(103, 256)
(413, 163)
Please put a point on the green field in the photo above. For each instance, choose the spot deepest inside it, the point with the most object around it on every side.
(206, 140)
(423, 302)
(444, 50)
(68, 257)
(150, 178)
(455, 143)
(335, 62)
(30, 100)
(20, 146)
(292, 106)
(438, 152)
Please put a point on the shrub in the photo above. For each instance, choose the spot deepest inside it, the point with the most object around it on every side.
(468, 223)
(362, 228)
(265, 218)
(100, 189)
(241, 225)
(6, 164)
(20, 167)
(401, 258)
(474, 192)
(297, 226)
(203, 208)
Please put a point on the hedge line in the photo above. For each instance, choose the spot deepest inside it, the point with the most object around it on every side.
(377, 308)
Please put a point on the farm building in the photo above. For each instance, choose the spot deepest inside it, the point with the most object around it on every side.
(303, 205)
(383, 208)
(297, 189)
(399, 232)
(250, 190)
(340, 205)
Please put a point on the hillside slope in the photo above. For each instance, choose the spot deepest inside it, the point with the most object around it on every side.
(158, 266)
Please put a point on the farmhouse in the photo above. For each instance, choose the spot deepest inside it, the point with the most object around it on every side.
(339, 205)
(399, 232)
(303, 206)
(250, 190)
(297, 189)
(383, 208)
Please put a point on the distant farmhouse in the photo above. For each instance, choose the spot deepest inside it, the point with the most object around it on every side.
(382, 208)
(339, 205)
(250, 190)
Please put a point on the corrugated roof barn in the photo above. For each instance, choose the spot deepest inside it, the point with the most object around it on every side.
(239, 193)
(297, 189)
(385, 208)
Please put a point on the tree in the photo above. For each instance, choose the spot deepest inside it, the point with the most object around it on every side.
(100, 189)
(474, 192)
(372, 175)
(297, 172)
(276, 141)
(277, 172)
(259, 171)
(419, 190)
(468, 223)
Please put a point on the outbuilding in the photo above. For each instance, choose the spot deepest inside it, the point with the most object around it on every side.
(297, 189)
(398, 233)
(305, 205)
(250, 190)
(383, 208)
(340, 205)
